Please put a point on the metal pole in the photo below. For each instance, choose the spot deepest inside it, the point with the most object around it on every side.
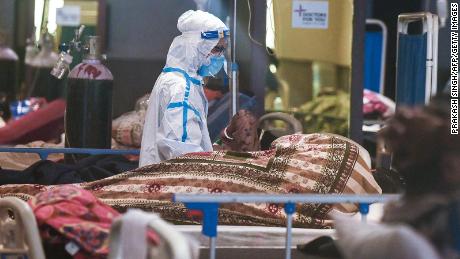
(284, 198)
(234, 67)
(212, 248)
(234, 33)
(288, 235)
(434, 78)
(289, 209)
(428, 24)
(364, 210)
(364, 218)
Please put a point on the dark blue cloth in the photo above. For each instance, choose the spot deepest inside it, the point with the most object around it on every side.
(372, 60)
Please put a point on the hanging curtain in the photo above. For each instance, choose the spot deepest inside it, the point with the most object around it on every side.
(411, 71)
(372, 60)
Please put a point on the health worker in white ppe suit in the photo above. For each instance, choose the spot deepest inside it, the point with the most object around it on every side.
(176, 118)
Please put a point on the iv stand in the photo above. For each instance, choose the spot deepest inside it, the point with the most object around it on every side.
(234, 91)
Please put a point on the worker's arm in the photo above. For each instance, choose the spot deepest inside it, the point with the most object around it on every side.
(176, 135)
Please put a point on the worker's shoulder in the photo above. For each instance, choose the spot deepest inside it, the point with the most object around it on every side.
(172, 84)
(173, 80)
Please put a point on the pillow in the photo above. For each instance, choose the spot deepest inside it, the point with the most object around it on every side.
(127, 129)
(378, 241)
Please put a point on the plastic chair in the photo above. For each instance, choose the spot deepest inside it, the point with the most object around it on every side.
(18, 230)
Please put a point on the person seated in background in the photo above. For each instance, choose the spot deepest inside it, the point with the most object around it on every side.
(219, 98)
(428, 158)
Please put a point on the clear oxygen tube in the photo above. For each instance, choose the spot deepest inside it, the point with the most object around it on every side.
(65, 57)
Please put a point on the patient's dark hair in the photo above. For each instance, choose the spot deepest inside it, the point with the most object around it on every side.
(424, 151)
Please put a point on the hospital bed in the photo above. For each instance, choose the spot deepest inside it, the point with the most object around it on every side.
(234, 240)
(253, 241)
(209, 204)
(19, 233)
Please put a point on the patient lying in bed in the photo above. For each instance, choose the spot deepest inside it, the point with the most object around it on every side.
(314, 163)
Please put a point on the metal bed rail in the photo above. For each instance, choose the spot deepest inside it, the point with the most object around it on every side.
(33, 247)
(43, 153)
(208, 204)
(19, 233)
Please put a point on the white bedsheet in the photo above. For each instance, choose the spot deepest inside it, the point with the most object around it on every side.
(267, 237)
(253, 236)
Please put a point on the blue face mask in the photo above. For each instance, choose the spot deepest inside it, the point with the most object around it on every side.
(213, 68)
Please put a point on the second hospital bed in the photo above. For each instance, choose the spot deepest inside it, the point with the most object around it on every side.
(19, 233)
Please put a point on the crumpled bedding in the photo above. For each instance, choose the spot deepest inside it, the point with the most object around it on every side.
(21, 161)
(88, 169)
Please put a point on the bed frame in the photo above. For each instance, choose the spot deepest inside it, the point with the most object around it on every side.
(19, 233)
(207, 204)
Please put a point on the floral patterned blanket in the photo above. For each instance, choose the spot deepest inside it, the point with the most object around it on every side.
(313, 163)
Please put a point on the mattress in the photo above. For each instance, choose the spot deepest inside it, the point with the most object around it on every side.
(267, 237)
(254, 236)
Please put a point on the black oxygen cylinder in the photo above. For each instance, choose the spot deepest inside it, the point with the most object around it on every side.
(8, 77)
(88, 118)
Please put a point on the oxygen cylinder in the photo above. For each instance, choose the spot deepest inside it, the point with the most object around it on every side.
(88, 118)
(39, 81)
(8, 76)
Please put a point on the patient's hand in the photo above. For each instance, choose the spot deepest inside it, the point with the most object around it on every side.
(241, 134)
(217, 147)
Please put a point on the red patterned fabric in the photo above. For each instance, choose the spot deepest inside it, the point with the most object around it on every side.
(373, 104)
(76, 215)
(44, 124)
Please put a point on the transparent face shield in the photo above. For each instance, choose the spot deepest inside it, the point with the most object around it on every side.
(220, 54)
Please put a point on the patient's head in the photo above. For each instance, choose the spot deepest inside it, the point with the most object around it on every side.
(243, 130)
(424, 151)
